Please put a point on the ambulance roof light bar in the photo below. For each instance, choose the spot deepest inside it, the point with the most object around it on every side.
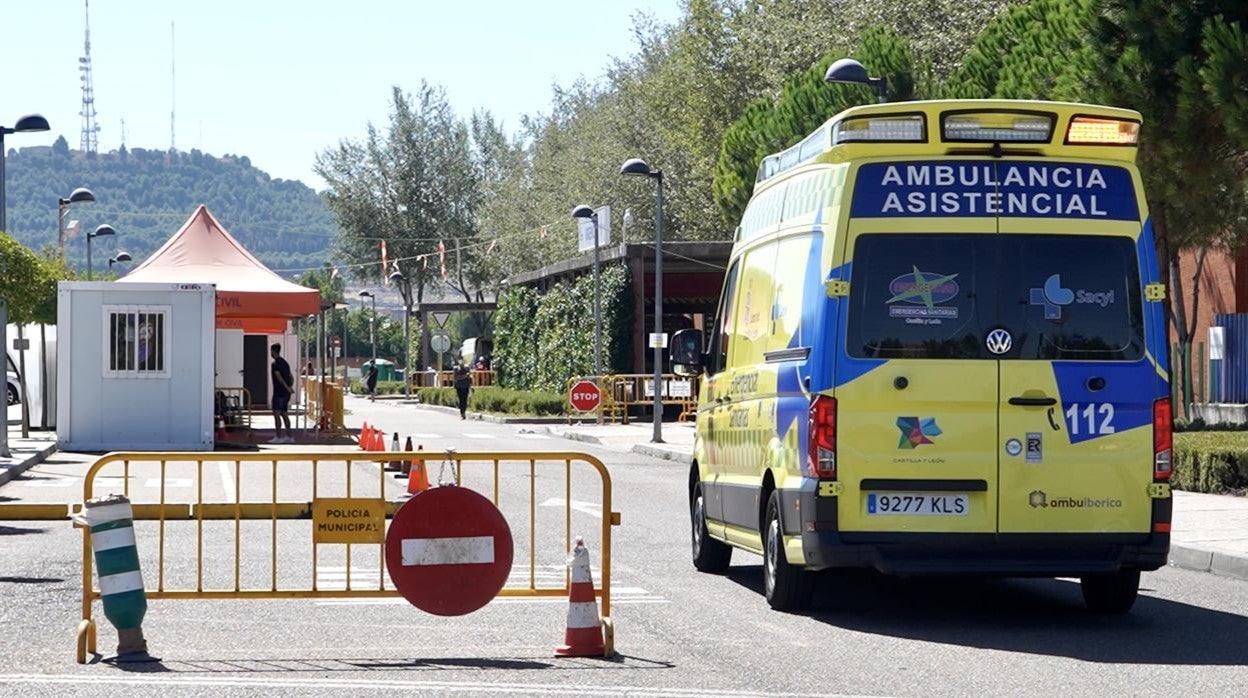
(1099, 130)
(996, 127)
(848, 71)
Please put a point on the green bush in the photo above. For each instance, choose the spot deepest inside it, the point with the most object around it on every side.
(1211, 462)
(498, 400)
(383, 388)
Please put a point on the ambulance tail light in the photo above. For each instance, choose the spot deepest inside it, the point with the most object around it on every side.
(822, 457)
(1163, 440)
(996, 127)
(1091, 130)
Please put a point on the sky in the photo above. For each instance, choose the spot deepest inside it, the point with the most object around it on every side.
(281, 80)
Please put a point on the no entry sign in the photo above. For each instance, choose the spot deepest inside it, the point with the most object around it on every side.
(449, 551)
(584, 396)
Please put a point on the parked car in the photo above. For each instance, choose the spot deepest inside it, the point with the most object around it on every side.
(12, 389)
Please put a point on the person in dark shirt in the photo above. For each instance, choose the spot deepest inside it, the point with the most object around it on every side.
(283, 388)
(370, 381)
(463, 383)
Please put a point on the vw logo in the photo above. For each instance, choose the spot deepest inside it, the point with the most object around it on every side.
(999, 341)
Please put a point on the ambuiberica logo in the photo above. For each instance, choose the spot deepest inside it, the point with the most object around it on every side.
(1039, 499)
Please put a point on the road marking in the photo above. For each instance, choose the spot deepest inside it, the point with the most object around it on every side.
(55, 481)
(479, 436)
(227, 482)
(583, 507)
(169, 482)
(531, 436)
(357, 682)
(419, 435)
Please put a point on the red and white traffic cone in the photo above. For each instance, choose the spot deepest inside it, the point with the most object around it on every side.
(394, 465)
(584, 633)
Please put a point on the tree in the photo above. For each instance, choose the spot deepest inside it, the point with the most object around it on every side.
(60, 147)
(1170, 60)
(412, 188)
(28, 283)
(805, 103)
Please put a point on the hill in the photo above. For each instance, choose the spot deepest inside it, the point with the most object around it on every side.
(146, 195)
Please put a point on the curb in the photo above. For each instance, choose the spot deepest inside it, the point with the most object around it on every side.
(1213, 562)
(662, 452)
(12, 471)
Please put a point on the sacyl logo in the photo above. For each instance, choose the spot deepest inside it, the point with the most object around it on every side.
(1053, 296)
(999, 341)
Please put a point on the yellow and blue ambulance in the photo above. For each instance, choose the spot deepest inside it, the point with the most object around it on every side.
(940, 349)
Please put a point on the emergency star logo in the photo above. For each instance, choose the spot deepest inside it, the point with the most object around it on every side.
(923, 288)
(915, 431)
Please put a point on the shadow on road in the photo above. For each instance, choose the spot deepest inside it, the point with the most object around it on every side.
(15, 531)
(1036, 616)
(278, 665)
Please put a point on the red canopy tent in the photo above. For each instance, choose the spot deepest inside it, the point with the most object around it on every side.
(250, 296)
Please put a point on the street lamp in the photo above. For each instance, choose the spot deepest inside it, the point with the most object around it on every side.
(848, 71)
(99, 232)
(77, 196)
(372, 324)
(637, 167)
(26, 124)
(584, 212)
(118, 258)
(405, 288)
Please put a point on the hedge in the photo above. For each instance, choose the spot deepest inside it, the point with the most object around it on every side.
(1211, 462)
(542, 340)
(498, 400)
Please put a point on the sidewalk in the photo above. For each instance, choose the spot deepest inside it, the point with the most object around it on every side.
(26, 452)
(1210, 531)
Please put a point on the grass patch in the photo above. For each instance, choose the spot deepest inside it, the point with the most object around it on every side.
(495, 400)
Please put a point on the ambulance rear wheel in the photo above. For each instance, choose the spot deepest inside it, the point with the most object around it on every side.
(1111, 593)
(709, 555)
(787, 587)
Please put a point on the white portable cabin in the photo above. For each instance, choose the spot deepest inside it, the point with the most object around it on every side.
(135, 365)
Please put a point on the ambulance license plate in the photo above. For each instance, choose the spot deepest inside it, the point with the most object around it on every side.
(917, 504)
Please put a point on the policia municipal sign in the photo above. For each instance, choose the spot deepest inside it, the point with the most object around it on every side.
(348, 520)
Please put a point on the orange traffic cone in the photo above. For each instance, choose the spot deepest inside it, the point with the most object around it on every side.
(394, 448)
(405, 468)
(584, 634)
(418, 477)
(364, 437)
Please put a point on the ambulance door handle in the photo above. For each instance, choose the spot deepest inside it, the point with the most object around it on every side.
(1033, 401)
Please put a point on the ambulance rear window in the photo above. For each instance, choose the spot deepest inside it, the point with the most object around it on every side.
(1062, 297)
(1072, 297)
(922, 296)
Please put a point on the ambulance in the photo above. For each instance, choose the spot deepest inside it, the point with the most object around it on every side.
(940, 350)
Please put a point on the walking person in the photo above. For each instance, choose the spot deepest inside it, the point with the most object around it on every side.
(463, 383)
(283, 388)
(371, 381)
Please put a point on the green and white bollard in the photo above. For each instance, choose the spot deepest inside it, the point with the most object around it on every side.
(111, 522)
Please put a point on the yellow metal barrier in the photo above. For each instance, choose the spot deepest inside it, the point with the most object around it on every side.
(621, 392)
(324, 401)
(446, 379)
(182, 526)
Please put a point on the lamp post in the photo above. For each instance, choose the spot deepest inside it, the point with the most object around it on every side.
(848, 71)
(405, 288)
(637, 167)
(584, 212)
(101, 231)
(77, 196)
(30, 123)
(117, 259)
(372, 324)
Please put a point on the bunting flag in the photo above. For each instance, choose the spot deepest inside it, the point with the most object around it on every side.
(442, 258)
(333, 274)
(543, 232)
(384, 279)
(491, 247)
(424, 261)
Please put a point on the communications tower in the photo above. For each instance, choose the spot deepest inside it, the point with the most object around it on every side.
(89, 143)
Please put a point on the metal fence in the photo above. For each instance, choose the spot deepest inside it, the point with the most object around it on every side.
(271, 495)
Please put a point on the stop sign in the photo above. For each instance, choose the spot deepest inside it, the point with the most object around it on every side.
(585, 396)
(449, 551)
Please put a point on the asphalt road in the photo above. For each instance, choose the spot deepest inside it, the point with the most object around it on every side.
(678, 632)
